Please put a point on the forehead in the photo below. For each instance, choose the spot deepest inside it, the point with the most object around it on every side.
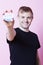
(25, 13)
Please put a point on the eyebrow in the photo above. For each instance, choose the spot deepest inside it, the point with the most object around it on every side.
(27, 17)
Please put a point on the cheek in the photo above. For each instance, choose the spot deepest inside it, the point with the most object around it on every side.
(20, 19)
(29, 20)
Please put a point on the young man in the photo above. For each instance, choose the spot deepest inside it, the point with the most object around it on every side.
(22, 42)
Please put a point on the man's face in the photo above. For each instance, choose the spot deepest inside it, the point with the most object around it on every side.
(25, 19)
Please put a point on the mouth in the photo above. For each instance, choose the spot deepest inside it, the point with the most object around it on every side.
(25, 23)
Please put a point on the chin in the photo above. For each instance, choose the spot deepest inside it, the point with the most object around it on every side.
(25, 27)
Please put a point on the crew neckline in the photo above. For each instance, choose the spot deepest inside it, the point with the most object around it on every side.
(24, 31)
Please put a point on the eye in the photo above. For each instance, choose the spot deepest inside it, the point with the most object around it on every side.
(22, 16)
(29, 17)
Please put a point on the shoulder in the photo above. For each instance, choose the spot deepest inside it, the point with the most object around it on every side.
(17, 32)
(33, 34)
(16, 29)
(36, 39)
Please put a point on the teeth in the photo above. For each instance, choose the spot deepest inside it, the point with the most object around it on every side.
(25, 23)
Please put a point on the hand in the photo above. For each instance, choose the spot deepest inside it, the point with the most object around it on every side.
(8, 23)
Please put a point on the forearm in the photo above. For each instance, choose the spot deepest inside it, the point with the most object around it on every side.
(37, 59)
(11, 33)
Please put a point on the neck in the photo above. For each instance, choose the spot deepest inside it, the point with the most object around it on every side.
(24, 29)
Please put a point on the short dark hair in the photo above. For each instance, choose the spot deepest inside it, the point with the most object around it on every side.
(25, 9)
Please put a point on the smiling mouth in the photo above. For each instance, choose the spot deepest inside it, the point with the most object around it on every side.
(26, 23)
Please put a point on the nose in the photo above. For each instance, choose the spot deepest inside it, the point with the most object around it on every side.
(26, 20)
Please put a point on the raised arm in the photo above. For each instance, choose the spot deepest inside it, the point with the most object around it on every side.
(11, 33)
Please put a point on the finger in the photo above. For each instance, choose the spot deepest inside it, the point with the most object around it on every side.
(11, 11)
(6, 11)
(3, 13)
(5, 21)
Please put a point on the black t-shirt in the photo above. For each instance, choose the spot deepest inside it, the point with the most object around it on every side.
(23, 48)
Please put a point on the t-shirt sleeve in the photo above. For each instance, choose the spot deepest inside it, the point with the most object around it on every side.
(13, 41)
(10, 42)
(37, 42)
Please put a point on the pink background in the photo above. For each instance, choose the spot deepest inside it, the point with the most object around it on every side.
(36, 26)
